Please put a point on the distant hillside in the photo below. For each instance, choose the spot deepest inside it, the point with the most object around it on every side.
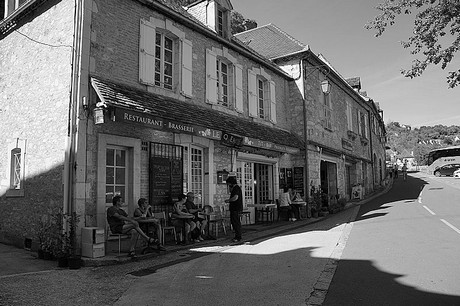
(421, 140)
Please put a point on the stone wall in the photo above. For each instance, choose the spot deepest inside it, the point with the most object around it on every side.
(34, 97)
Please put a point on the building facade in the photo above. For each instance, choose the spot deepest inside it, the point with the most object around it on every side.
(162, 101)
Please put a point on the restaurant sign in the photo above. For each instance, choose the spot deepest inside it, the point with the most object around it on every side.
(230, 140)
(253, 142)
(122, 115)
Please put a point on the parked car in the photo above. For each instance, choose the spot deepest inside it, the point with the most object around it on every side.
(446, 170)
(457, 173)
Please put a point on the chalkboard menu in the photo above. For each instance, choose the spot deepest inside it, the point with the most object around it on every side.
(165, 180)
(298, 180)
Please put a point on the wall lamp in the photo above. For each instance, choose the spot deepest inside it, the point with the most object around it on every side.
(326, 87)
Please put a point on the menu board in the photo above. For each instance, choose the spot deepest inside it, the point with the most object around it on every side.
(298, 180)
(160, 178)
(176, 177)
(166, 180)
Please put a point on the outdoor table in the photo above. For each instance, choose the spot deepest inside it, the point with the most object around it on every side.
(299, 205)
(264, 208)
(148, 221)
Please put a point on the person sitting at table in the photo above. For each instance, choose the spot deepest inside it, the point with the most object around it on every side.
(144, 211)
(181, 219)
(120, 223)
(285, 203)
(191, 208)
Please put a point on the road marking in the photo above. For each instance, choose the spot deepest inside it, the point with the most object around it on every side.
(429, 210)
(451, 226)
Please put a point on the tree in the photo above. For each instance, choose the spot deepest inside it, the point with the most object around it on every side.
(436, 34)
(241, 24)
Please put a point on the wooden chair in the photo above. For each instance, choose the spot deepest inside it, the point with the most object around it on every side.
(165, 225)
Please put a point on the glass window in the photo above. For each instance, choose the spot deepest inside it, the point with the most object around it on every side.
(193, 172)
(164, 63)
(261, 98)
(222, 82)
(16, 169)
(115, 173)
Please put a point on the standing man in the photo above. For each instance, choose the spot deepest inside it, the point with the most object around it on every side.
(235, 207)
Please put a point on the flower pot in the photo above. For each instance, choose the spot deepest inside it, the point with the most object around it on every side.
(74, 263)
(63, 262)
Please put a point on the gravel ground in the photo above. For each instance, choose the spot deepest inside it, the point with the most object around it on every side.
(86, 286)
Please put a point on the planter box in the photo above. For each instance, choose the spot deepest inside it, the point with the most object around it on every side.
(93, 250)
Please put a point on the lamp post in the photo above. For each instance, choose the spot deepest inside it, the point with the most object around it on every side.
(326, 89)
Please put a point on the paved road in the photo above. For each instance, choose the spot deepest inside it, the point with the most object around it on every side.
(279, 270)
(404, 248)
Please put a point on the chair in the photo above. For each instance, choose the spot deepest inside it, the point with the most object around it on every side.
(215, 218)
(115, 236)
(165, 225)
(267, 213)
(281, 210)
(247, 215)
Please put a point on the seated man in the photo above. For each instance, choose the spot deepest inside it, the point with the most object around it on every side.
(120, 223)
(144, 211)
(181, 219)
(193, 209)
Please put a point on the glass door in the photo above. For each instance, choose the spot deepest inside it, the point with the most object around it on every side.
(245, 176)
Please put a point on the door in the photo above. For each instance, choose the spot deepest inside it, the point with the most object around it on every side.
(245, 175)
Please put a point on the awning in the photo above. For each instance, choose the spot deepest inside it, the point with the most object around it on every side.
(150, 106)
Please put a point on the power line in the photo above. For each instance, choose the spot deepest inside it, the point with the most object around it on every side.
(42, 43)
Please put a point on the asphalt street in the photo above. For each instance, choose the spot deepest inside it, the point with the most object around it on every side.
(403, 248)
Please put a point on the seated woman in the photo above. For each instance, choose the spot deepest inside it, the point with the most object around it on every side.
(144, 211)
(182, 220)
(285, 203)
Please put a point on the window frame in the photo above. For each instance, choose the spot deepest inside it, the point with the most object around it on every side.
(16, 171)
(163, 62)
(327, 111)
(220, 62)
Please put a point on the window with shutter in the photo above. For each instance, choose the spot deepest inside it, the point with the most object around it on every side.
(165, 58)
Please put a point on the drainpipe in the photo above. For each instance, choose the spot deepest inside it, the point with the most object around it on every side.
(305, 135)
(69, 163)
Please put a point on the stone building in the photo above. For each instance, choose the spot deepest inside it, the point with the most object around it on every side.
(344, 130)
(138, 98)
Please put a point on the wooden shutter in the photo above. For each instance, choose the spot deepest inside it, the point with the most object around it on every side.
(211, 77)
(272, 102)
(187, 68)
(252, 93)
(147, 53)
(239, 88)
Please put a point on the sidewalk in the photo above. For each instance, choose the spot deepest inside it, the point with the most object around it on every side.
(16, 261)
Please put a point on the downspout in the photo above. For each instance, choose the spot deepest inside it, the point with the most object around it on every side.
(371, 149)
(305, 136)
(69, 163)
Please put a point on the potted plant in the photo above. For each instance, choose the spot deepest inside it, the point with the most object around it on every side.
(62, 246)
(315, 201)
(74, 259)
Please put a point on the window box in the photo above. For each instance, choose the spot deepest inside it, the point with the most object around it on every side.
(351, 135)
(364, 141)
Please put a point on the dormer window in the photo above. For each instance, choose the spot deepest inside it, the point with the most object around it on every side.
(221, 22)
(215, 14)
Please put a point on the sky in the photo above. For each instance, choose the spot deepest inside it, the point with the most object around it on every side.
(335, 29)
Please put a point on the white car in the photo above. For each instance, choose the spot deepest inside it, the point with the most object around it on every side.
(457, 173)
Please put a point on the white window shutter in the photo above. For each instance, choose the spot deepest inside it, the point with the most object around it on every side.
(272, 102)
(211, 77)
(239, 88)
(187, 68)
(252, 93)
(366, 125)
(147, 53)
(360, 127)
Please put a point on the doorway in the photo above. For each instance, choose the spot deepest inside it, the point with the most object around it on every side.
(328, 175)
(256, 182)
